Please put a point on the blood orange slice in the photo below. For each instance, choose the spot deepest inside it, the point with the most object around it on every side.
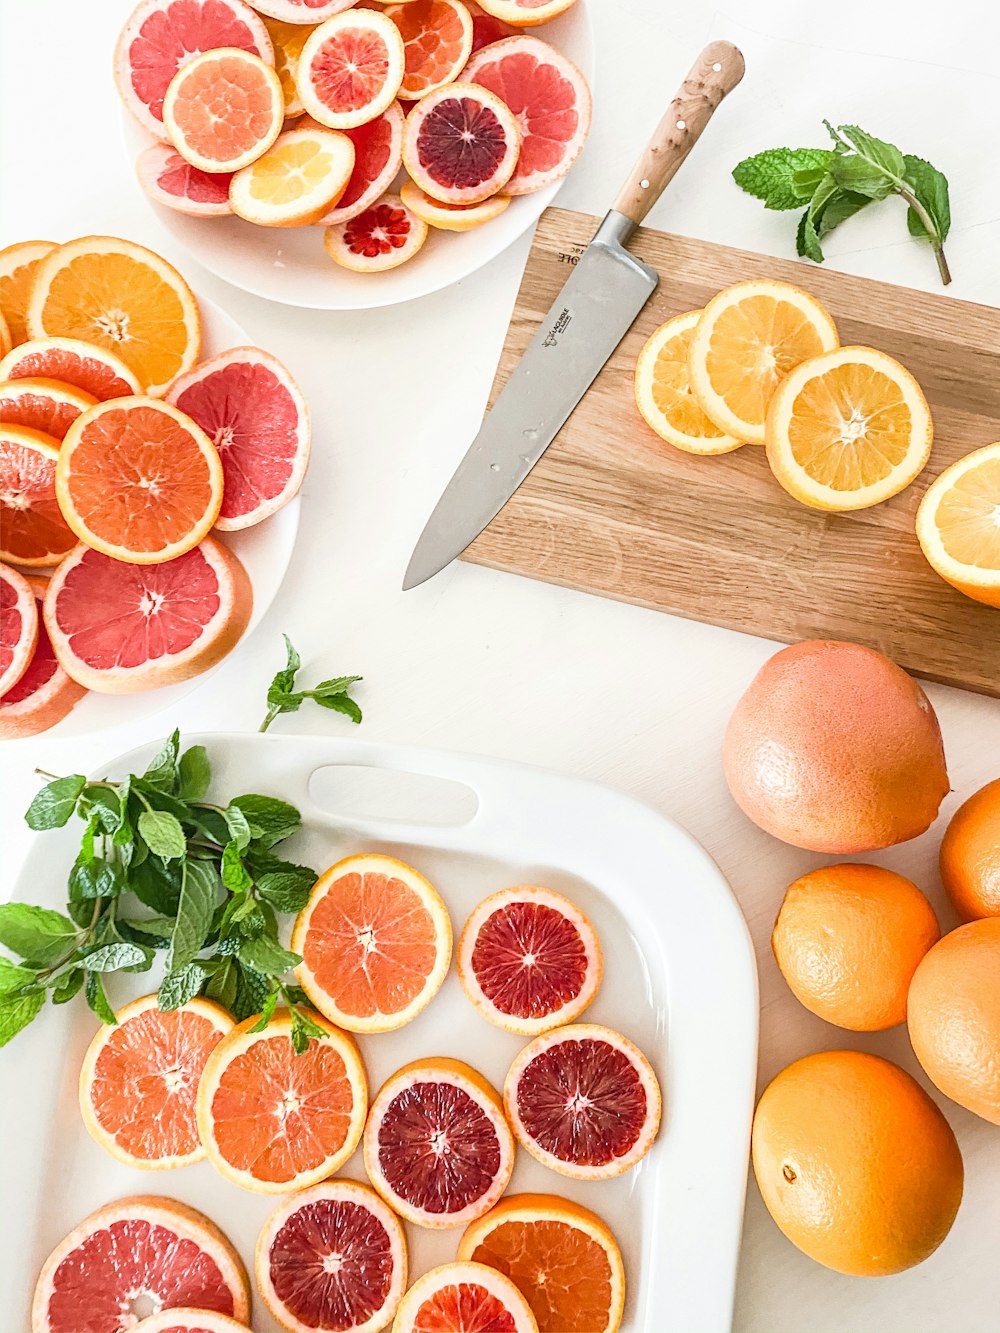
(18, 627)
(224, 109)
(33, 531)
(437, 1146)
(332, 1257)
(461, 144)
(375, 940)
(526, 13)
(437, 41)
(300, 177)
(17, 270)
(529, 960)
(378, 155)
(162, 35)
(168, 180)
(562, 1258)
(584, 1101)
(550, 99)
(451, 217)
(302, 11)
(485, 28)
(139, 1081)
(249, 406)
(464, 1298)
(382, 237)
(189, 1320)
(45, 694)
(134, 1257)
(351, 68)
(273, 1120)
(72, 361)
(42, 404)
(119, 628)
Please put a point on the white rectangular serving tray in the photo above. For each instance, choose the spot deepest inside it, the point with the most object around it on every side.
(679, 979)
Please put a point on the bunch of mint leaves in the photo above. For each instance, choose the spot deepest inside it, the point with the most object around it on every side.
(834, 184)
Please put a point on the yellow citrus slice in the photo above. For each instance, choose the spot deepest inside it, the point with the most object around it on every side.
(223, 109)
(748, 338)
(848, 429)
(451, 217)
(17, 271)
(296, 181)
(958, 525)
(664, 396)
(123, 298)
(288, 39)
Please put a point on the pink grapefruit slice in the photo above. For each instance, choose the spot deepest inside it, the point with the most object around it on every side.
(224, 109)
(95, 370)
(118, 628)
(135, 1256)
(45, 694)
(188, 1320)
(162, 35)
(485, 28)
(33, 531)
(437, 40)
(302, 11)
(254, 413)
(351, 68)
(461, 144)
(168, 180)
(526, 13)
(332, 1257)
(464, 1297)
(451, 217)
(42, 404)
(378, 156)
(550, 99)
(18, 627)
(382, 237)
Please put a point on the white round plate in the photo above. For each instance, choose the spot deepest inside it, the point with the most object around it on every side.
(289, 264)
(265, 551)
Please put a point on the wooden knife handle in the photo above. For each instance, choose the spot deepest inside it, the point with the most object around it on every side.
(716, 72)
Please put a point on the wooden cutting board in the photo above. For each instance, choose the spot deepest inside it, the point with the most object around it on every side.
(611, 509)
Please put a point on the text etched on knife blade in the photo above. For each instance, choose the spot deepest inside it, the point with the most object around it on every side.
(563, 321)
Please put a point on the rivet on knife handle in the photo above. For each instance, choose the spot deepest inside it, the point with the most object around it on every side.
(715, 73)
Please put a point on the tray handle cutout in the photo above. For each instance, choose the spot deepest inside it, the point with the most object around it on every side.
(361, 794)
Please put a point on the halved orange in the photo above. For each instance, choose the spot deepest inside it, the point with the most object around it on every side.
(138, 480)
(139, 1081)
(223, 109)
(664, 395)
(561, 1257)
(17, 270)
(33, 530)
(123, 297)
(296, 181)
(375, 940)
(274, 1121)
(958, 525)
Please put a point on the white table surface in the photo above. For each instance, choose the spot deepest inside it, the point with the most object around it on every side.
(493, 664)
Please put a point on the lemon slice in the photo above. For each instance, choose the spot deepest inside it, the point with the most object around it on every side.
(958, 525)
(296, 181)
(663, 391)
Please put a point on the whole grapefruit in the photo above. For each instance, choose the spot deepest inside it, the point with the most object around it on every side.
(855, 1163)
(954, 1017)
(835, 749)
(970, 855)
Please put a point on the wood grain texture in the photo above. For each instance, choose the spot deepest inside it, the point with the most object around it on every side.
(611, 509)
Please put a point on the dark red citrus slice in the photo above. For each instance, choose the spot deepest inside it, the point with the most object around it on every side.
(464, 1297)
(252, 410)
(134, 1258)
(351, 69)
(332, 1257)
(33, 531)
(461, 144)
(44, 694)
(18, 628)
(168, 180)
(378, 155)
(44, 405)
(382, 237)
(486, 29)
(71, 361)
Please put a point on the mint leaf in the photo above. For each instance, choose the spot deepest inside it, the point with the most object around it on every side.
(886, 157)
(194, 773)
(266, 1012)
(163, 834)
(931, 189)
(807, 239)
(264, 955)
(284, 680)
(839, 207)
(36, 934)
(157, 885)
(96, 879)
(269, 819)
(338, 703)
(861, 176)
(13, 976)
(68, 985)
(774, 175)
(239, 828)
(252, 990)
(286, 889)
(106, 807)
(194, 913)
(304, 1028)
(16, 1012)
(98, 1000)
(223, 983)
(162, 772)
(235, 875)
(113, 957)
(54, 804)
(177, 988)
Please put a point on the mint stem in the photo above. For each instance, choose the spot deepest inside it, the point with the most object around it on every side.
(930, 227)
(272, 713)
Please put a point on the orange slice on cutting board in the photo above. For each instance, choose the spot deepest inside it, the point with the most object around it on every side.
(958, 525)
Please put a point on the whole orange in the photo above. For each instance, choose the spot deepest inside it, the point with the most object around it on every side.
(848, 939)
(835, 749)
(970, 855)
(954, 1016)
(855, 1163)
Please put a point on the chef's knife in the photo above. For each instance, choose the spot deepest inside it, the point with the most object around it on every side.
(592, 314)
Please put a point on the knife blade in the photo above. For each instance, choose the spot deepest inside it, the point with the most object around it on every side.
(598, 305)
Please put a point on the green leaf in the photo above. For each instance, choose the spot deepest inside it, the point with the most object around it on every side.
(211, 824)
(68, 985)
(266, 1012)
(885, 156)
(807, 239)
(284, 680)
(162, 834)
(106, 807)
(861, 176)
(839, 207)
(269, 819)
(54, 804)
(303, 1028)
(114, 957)
(931, 187)
(778, 175)
(161, 800)
(288, 888)
(235, 875)
(36, 934)
(125, 832)
(152, 931)
(266, 956)
(16, 1012)
(239, 828)
(223, 983)
(340, 703)
(162, 772)
(194, 913)
(96, 879)
(13, 976)
(180, 986)
(98, 1000)
(157, 885)
(252, 991)
(194, 772)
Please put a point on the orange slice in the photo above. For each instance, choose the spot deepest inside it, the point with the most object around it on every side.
(459, 1297)
(562, 1258)
(42, 404)
(664, 395)
(351, 68)
(451, 217)
(71, 361)
(5, 339)
(288, 39)
(296, 181)
(122, 297)
(375, 940)
(139, 1081)
(223, 109)
(958, 525)
(33, 531)
(848, 429)
(748, 339)
(437, 43)
(17, 270)
(274, 1121)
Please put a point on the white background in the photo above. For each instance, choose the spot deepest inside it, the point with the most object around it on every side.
(488, 663)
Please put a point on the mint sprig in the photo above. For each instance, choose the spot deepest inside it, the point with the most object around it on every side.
(282, 696)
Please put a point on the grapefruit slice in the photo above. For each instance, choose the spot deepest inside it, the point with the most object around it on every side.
(451, 217)
(33, 531)
(332, 1257)
(529, 960)
(168, 180)
(252, 410)
(437, 1146)
(138, 480)
(375, 940)
(437, 43)
(561, 1257)
(302, 11)
(71, 361)
(382, 237)
(224, 109)
(664, 396)
(139, 1081)
(550, 99)
(296, 181)
(584, 1101)
(42, 404)
(464, 1298)
(17, 270)
(274, 1121)
(135, 1256)
(485, 28)
(18, 627)
(44, 695)
(288, 39)
(188, 1320)
(162, 35)
(118, 628)
(351, 68)
(526, 13)
(378, 155)
(461, 144)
